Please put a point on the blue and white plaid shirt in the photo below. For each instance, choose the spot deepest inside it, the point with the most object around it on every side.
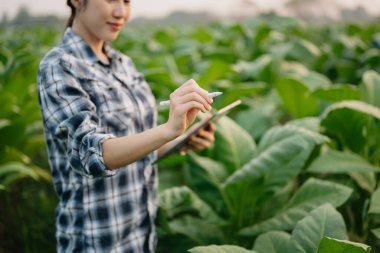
(83, 103)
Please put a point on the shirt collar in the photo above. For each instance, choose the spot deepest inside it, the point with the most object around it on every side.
(78, 47)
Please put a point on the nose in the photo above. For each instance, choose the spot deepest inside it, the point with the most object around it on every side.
(120, 10)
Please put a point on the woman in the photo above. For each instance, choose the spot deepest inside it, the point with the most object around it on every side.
(100, 126)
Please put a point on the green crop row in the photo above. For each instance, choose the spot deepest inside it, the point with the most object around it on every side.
(295, 168)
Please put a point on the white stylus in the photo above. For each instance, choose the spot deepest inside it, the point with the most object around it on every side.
(210, 94)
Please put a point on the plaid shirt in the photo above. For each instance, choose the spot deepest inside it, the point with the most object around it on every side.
(83, 103)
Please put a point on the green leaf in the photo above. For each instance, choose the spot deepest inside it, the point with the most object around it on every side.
(204, 176)
(366, 180)
(257, 121)
(220, 249)
(312, 194)
(281, 154)
(348, 120)
(279, 163)
(336, 162)
(4, 123)
(259, 69)
(272, 242)
(216, 70)
(310, 123)
(376, 232)
(295, 98)
(15, 168)
(355, 106)
(233, 145)
(181, 200)
(304, 50)
(277, 134)
(323, 221)
(374, 207)
(337, 93)
(201, 231)
(331, 245)
(370, 88)
(238, 91)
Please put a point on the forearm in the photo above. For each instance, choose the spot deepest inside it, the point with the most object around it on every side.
(163, 149)
(118, 152)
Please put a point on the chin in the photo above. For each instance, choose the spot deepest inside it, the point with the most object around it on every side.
(111, 37)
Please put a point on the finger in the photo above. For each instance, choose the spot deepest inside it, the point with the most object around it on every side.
(192, 86)
(184, 108)
(207, 130)
(195, 146)
(201, 142)
(206, 136)
(211, 127)
(192, 96)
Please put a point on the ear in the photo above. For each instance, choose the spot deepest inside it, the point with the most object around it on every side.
(76, 3)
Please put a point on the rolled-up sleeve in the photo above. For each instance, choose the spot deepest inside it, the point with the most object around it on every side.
(70, 118)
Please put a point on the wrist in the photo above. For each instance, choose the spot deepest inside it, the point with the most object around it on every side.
(167, 133)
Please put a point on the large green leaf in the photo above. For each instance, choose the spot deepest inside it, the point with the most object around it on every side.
(374, 207)
(216, 70)
(220, 249)
(204, 176)
(233, 146)
(370, 88)
(295, 98)
(14, 171)
(334, 161)
(200, 231)
(215, 171)
(258, 70)
(331, 245)
(279, 163)
(258, 120)
(366, 180)
(311, 195)
(235, 91)
(304, 50)
(280, 133)
(281, 155)
(181, 200)
(348, 120)
(337, 93)
(323, 221)
(310, 123)
(355, 106)
(272, 242)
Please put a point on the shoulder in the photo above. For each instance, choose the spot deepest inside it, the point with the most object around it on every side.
(58, 63)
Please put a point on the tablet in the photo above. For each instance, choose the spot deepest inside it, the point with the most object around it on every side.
(182, 139)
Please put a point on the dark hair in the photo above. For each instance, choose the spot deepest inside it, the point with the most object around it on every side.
(70, 21)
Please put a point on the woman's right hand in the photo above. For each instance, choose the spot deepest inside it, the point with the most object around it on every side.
(185, 103)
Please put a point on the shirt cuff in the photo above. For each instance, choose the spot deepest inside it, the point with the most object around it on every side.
(91, 156)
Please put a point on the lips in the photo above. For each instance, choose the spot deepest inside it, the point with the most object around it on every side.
(115, 26)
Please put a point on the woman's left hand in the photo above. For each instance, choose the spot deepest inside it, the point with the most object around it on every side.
(203, 139)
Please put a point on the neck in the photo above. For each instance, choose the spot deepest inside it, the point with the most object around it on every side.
(95, 44)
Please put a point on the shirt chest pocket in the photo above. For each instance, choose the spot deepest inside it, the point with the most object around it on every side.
(113, 107)
(112, 103)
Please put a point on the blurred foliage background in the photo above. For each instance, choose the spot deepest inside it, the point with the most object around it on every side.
(305, 143)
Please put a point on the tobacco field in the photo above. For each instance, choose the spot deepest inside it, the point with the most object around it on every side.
(294, 169)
